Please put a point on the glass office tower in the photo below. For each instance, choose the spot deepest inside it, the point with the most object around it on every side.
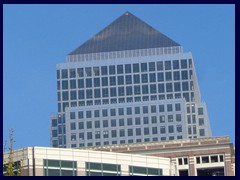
(129, 83)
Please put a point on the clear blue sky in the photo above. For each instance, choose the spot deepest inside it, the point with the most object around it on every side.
(37, 37)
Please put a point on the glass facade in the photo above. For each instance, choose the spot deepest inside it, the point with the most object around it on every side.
(59, 168)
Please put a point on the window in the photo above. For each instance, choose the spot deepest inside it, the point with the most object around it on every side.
(88, 83)
(128, 68)
(145, 109)
(184, 63)
(129, 121)
(214, 159)
(97, 124)
(137, 90)
(186, 96)
(89, 135)
(112, 70)
(121, 122)
(96, 71)
(184, 75)
(73, 84)
(104, 81)
(120, 69)
(81, 136)
(64, 73)
(167, 65)
(151, 66)
(160, 77)
(161, 108)
(88, 114)
(136, 78)
(104, 92)
(144, 78)
(162, 119)
(105, 134)
(200, 111)
(114, 133)
(104, 70)
(202, 132)
(112, 81)
(143, 67)
(137, 110)
(80, 72)
(120, 111)
(178, 107)
(88, 71)
(176, 75)
(122, 132)
(113, 123)
(162, 129)
(120, 80)
(97, 93)
(201, 121)
(154, 130)
(154, 119)
(80, 115)
(161, 88)
(65, 84)
(168, 76)
(160, 66)
(137, 121)
(129, 111)
(104, 112)
(96, 82)
(194, 119)
(138, 131)
(205, 159)
(130, 132)
(178, 117)
(97, 135)
(120, 91)
(105, 123)
(170, 129)
(89, 93)
(129, 90)
(80, 83)
(179, 128)
(170, 118)
(169, 87)
(135, 68)
(221, 158)
(198, 160)
(145, 120)
(175, 64)
(146, 131)
(185, 86)
(169, 107)
(113, 92)
(152, 77)
(177, 87)
(128, 79)
(89, 124)
(144, 89)
(153, 88)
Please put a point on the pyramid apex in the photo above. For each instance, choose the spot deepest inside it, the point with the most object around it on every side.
(127, 32)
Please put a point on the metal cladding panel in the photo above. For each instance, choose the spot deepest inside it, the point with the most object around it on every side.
(126, 33)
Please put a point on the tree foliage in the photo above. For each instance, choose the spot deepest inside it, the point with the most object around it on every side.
(11, 168)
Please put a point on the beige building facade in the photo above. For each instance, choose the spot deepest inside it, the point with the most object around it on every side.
(213, 156)
(45, 161)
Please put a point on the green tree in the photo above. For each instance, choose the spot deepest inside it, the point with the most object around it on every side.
(11, 168)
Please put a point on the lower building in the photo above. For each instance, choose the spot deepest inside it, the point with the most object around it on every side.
(45, 161)
(189, 157)
(213, 156)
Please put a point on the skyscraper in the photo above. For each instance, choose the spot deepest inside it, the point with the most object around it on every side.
(129, 83)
